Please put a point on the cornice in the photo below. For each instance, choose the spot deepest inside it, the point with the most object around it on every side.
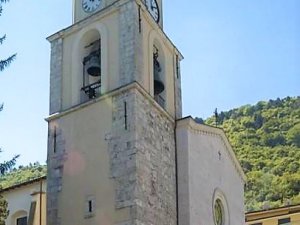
(132, 86)
(39, 179)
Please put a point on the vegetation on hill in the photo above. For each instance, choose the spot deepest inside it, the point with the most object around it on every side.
(266, 139)
(23, 174)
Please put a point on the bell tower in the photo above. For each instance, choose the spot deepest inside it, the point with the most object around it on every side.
(115, 95)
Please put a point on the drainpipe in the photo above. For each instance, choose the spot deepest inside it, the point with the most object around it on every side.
(175, 138)
(176, 177)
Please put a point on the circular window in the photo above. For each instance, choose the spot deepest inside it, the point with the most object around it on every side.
(219, 216)
(220, 211)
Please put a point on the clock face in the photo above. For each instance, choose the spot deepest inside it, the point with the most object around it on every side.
(152, 7)
(90, 5)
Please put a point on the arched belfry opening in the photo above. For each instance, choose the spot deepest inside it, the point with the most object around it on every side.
(91, 66)
(159, 76)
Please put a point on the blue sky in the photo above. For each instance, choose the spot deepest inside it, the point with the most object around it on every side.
(236, 52)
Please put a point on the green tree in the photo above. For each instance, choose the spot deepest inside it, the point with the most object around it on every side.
(293, 135)
(4, 62)
(6, 165)
(23, 174)
(266, 139)
(3, 210)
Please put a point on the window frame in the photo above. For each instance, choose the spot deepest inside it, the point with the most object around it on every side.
(284, 221)
(219, 196)
(90, 207)
(22, 217)
(219, 214)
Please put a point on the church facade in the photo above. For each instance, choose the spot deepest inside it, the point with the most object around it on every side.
(26, 202)
(119, 151)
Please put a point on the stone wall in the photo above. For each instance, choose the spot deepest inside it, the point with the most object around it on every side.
(55, 161)
(178, 96)
(142, 149)
(130, 42)
(122, 151)
(56, 75)
(156, 177)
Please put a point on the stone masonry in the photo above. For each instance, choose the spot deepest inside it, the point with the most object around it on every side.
(178, 97)
(56, 158)
(156, 179)
(143, 160)
(130, 42)
(56, 75)
(56, 142)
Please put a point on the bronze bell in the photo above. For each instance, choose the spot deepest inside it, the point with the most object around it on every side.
(93, 65)
(159, 86)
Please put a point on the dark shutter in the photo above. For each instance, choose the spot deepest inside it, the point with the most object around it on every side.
(31, 213)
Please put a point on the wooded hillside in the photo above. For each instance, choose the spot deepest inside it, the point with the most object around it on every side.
(266, 139)
(22, 174)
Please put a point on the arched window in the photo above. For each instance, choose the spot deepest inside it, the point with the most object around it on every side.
(19, 218)
(159, 76)
(89, 40)
(220, 209)
(219, 215)
(91, 66)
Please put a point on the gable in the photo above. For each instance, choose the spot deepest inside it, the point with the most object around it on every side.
(215, 137)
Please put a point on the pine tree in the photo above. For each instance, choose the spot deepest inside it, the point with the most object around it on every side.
(6, 165)
(4, 62)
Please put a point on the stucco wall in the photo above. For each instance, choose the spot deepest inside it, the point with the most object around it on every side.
(73, 54)
(19, 201)
(85, 167)
(206, 165)
(79, 13)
